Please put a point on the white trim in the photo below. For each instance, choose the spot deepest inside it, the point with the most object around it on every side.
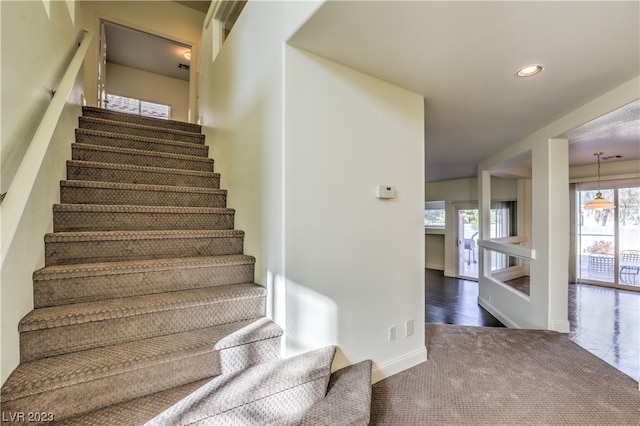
(606, 178)
(512, 249)
(560, 326)
(398, 365)
(497, 313)
(436, 266)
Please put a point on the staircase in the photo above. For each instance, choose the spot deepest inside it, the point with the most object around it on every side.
(146, 310)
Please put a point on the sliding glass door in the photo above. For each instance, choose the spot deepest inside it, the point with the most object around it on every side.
(608, 240)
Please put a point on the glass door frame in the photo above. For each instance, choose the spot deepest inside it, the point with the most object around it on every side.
(615, 185)
(460, 240)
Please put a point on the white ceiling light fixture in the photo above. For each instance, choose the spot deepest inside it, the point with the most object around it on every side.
(529, 70)
(599, 202)
(187, 55)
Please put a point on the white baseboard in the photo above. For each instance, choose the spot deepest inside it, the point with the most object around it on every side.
(398, 365)
(436, 266)
(559, 326)
(500, 316)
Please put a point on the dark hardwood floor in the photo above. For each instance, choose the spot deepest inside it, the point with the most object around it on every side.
(454, 301)
(604, 321)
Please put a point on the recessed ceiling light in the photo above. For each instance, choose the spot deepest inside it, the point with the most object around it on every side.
(529, 70)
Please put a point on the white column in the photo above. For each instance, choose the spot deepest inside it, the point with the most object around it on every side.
(550, 233)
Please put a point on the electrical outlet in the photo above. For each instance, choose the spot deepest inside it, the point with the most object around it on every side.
(408, 328)
(392, 333)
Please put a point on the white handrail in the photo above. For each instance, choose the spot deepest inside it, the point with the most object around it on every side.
(511, 249)
(21, 186)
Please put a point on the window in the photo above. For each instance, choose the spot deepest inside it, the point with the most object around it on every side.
(434, 215)
(137, 106)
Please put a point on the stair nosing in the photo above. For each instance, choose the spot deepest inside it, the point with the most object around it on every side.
(105, 310)
(126, 208)
(144, 127)
(57, 272)
(71, 183)
(125, 136)
(72, 374)
(133, 167)
(125, 235)
(140, 152)
(144, 117)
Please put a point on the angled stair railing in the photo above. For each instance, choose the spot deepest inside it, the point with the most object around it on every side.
(15, 199)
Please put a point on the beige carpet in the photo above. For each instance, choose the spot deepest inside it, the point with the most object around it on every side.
(495, 376)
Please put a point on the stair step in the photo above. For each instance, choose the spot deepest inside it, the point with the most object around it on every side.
(56, 330)
(348, 399)
(91, 217)
(120, 140)
(105, 114)
(136, 157)
(60, 384)
(94, 171)
(67, 248)
(110, 126)
(66, 284)
(277, 392)
(90, 192)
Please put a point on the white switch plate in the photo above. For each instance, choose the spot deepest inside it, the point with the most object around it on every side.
(408, 328)
(392, 333)
(385, 192)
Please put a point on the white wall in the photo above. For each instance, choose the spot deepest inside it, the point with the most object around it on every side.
(255, 145)
(148, 86)
(37, 45)
(40, 43)
(354, 263)
(166, 19)
(241, 110)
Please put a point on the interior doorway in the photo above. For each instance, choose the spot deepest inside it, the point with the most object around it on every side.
(139, 71)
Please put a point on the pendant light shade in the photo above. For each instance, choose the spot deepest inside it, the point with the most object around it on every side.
(599, 202)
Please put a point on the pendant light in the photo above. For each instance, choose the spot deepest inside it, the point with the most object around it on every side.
(599, 202)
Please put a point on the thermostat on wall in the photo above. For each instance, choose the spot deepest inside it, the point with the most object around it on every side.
(385, 192)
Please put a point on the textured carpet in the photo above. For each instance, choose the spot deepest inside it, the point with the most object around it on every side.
(495, 376)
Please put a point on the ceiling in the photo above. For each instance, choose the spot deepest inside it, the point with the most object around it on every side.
(462, 57)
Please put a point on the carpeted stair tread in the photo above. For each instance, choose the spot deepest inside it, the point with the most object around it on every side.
(65, 284)
(276, 392)
(64, 248)
(121, 373)
(122, 140)
(77, 367)
(79, 313)
(137, 157)
(348, 399)
(137, 411)
(94, 217)
(63, 329)
(123, 193)
(96, 171)
(89, 111)
(139, 130)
